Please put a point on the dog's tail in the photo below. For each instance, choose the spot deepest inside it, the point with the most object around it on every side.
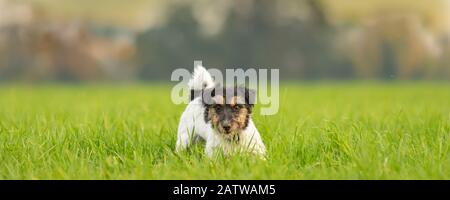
(201, 79)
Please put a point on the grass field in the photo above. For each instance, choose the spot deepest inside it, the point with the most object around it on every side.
(323, 131)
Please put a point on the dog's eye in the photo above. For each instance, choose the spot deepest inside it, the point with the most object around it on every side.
(236, 108)
(218, 108)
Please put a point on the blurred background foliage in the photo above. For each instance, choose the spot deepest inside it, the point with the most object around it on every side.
(81, 40)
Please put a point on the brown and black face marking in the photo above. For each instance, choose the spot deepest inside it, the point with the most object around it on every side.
(229, 111)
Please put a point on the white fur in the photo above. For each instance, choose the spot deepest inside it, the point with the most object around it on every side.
(201, 79)
(192, 125)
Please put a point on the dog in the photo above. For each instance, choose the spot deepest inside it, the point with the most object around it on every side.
(221, 116)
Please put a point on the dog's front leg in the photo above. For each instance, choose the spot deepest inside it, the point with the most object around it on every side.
(212, 143)
(211, 148)
(184, 138)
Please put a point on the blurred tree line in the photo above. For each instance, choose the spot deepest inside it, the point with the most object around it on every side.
(298, 37)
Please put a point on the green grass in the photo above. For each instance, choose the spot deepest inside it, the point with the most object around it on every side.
(323, 131)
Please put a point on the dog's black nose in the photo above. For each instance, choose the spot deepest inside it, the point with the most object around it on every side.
(226, 128)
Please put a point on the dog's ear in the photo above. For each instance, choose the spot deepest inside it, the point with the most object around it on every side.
(249, 95)
(207, 96)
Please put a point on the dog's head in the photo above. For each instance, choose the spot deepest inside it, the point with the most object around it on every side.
(228, 109)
